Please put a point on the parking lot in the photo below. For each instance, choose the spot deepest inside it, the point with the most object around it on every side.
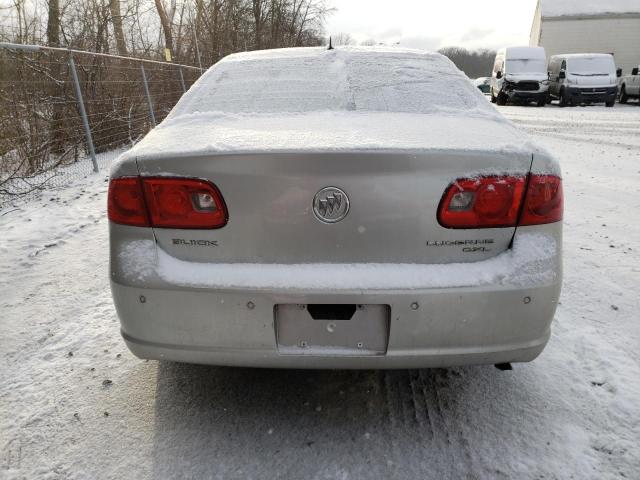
(74, 403)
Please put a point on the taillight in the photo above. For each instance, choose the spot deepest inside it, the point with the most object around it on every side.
(497, 201)
(544, 202)
(483, 202)
(166, 203)
(184, 203)
(126, 202)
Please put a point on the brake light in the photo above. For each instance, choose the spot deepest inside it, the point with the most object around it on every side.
(544, 202)
(497, 201)
(166, 203)
(483, 202)
(126, 202)
(184, 203)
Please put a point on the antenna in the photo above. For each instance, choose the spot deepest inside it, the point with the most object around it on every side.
(330, 45)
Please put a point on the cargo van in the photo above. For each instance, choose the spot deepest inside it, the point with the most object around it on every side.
(583, 78)
(520, 74)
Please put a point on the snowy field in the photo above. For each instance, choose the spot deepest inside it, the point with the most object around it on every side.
(74, 403)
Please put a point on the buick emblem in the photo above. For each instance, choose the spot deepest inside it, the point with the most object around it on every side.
(330, 205)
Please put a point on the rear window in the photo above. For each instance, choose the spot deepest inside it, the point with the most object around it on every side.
(307, 80)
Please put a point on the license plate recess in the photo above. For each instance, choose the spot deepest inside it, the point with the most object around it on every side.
(332, 330)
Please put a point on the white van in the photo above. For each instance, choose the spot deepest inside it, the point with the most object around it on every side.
(583, 78)
(520, 74)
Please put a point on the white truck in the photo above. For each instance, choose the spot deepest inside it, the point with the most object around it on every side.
(583, 78)
(630, 86)
(520, 75)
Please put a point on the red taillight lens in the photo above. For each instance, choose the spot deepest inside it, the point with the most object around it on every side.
(496, 201)
(126, 202)
(544, 202)
(166, 203)
(484, 202)
(184, 203)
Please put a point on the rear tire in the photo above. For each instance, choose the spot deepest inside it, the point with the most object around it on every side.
(623, 95)
(562, 99)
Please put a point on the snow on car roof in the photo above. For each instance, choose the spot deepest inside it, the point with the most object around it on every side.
(314, 99)
(560, 8)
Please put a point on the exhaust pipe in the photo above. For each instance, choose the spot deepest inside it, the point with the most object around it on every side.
(503, 366)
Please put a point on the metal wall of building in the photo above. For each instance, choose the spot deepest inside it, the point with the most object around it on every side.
(619, 35)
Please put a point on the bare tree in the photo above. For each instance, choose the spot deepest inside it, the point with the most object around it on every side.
(118, 32)
(475, 64)
(53, 24)
(259, 10)
(214, 28)
(166, 25)
(342, 39)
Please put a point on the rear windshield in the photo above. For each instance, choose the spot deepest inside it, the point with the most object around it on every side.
(591, 66)
(516, 66)
(307, 80)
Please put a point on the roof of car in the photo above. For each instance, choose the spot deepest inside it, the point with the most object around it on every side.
(306, 52)
(343, 79)
(316, 100)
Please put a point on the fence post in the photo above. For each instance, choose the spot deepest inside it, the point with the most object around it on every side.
(83, 113)
(146, 92)
(184, 89)
(195, 36)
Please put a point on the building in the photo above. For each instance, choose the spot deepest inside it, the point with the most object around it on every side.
(589, 26)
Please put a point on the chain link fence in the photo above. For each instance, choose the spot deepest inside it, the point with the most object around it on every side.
(66, 113)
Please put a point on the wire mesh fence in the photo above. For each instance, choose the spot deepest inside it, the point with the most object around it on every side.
(65, 113)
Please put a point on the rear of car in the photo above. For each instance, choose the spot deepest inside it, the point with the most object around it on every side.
(306, 208)
(584, 78)
(520, 75)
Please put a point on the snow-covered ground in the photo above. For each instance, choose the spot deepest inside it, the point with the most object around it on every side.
(74, 403)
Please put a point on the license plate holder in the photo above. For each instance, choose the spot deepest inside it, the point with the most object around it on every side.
(366, 333)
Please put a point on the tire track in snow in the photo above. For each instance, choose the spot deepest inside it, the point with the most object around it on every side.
(576, 138)
(420, 409)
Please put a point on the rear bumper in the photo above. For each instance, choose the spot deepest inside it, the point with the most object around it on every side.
(452, 327)
(592, 95)
(395, 359)
(506, 318)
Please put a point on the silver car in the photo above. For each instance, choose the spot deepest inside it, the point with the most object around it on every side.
(346, 208)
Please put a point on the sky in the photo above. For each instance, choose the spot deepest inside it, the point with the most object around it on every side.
(429, 24)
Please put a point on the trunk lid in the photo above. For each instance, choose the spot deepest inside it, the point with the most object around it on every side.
(392, 217)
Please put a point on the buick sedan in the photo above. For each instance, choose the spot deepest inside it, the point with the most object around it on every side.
(344, 208)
